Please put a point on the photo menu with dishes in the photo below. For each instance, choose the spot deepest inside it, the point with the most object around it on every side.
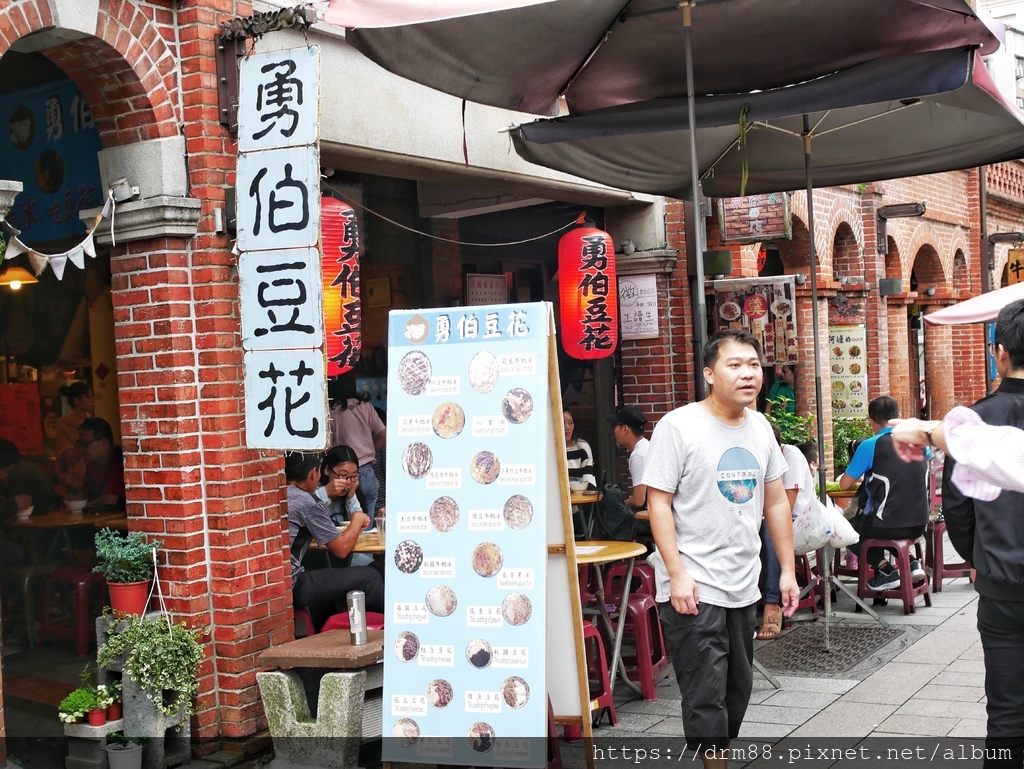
(849, 381)
(467, 468)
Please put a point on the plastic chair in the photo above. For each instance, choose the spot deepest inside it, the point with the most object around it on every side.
(810, 584)
(650, 659)
(933, 559)
(79, 629)
(25, 575)
(906, 592)
(597, 674)
(643, 582)
(303, 616)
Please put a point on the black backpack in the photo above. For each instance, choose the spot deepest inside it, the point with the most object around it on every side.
(614, 519)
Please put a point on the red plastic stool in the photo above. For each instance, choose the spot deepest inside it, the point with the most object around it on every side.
(78, 628)
(303, 616)
(906, 592)
(643, 581)
(339, 621)
(588, 573)
(597, 673)
(809, 589)
(651, 657)
(933, 557)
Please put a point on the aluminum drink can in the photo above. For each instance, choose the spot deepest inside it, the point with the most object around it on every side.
(357, 617)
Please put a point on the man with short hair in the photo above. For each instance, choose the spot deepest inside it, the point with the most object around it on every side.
(629, 433)
(323, 591)
(104, 464)
(897, 495)
(990, 534)
(712, 470)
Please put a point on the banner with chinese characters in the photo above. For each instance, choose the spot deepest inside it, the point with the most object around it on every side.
(1014, 266)
(469, 462)
(766, 307)
(638, 306)
(755, 218)
(849, 360)
(280, 276)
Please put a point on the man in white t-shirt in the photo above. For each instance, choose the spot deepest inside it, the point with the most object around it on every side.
(712, 471)
(629, 433)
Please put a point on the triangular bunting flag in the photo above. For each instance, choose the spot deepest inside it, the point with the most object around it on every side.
(9, 229)
(58, 262)
(38, 262)
(108, 207)
(77, 254)
(15, 248)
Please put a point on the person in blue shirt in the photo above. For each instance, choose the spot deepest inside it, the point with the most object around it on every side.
(340, 492)
(897, 495)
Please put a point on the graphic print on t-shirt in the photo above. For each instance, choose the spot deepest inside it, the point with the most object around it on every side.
(737, 475)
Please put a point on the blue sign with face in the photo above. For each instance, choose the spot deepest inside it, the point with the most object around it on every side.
(49, 142)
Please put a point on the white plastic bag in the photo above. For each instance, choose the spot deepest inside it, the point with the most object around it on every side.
(843, 534)
(811, 529)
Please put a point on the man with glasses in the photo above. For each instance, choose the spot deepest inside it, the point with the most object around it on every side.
(990, 534)
(104, 464)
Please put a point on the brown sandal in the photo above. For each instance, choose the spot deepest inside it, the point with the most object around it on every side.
(771, 622)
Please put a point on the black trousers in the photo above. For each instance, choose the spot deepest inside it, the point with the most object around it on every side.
(868, 530)
(1001, 625)
(324, 591)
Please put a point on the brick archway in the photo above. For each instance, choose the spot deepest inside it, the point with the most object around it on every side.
(126, 70)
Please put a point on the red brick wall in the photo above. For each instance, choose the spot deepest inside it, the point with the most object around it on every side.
(191, 481)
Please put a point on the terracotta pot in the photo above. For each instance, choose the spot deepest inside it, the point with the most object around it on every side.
(129, 597)
(97, 717)
(114, 711)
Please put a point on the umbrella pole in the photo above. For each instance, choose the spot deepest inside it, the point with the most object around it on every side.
(829, 579)
(700, 316)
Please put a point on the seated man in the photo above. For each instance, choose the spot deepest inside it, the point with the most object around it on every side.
(897, 495)
(324, 591)
(629, 433)
(104, 464)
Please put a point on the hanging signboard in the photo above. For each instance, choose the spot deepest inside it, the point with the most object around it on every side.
(280, 278)
(638, 307)
(486, 289)
(755, 218)
(848, 358)
(1014, 266)
(466, 566)
(766, 307)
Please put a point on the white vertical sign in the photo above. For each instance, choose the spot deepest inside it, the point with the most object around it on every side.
(278, 214)
(638, 307)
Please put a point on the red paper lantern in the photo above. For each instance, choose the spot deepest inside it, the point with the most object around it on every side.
(339, 243)
(588, 293)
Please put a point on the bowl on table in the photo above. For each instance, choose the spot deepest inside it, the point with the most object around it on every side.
(578, 487)
(25, 513)
(75, 505)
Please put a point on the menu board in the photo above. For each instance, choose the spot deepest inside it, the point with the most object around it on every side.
(766, 307)
(464, 641)
(848, 355)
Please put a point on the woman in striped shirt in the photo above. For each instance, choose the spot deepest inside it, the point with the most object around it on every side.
(579, 457)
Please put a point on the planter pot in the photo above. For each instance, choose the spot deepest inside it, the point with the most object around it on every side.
(129, 597)
(129, 757)
(114, 711)
(97, 717)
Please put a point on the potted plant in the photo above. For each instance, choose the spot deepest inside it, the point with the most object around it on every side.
(124, 752)
(73, 708)
(113, 694)
(127, 563)
(161, 656)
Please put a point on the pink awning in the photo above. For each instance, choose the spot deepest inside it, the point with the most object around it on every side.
(979, 309)
(393, 13)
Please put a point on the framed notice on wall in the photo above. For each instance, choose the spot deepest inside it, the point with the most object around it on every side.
(486, 289)
(638, 307)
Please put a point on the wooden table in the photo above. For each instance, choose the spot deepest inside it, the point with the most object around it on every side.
(587, 501)
(369, 542)
(58, 522)
(332, 649)
(600, 552)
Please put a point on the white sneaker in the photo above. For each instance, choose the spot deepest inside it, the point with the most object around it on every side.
(917, 572)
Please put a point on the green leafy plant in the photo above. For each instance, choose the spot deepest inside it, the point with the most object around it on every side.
(124, 558)
(117, 741)
(844, 431)
(158, 654)
(78, 703)
(795, 429)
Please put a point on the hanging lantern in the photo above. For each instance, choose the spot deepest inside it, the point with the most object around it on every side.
(588, 293)
(339, 243)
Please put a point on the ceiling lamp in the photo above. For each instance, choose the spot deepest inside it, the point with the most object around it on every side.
(16, 277)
